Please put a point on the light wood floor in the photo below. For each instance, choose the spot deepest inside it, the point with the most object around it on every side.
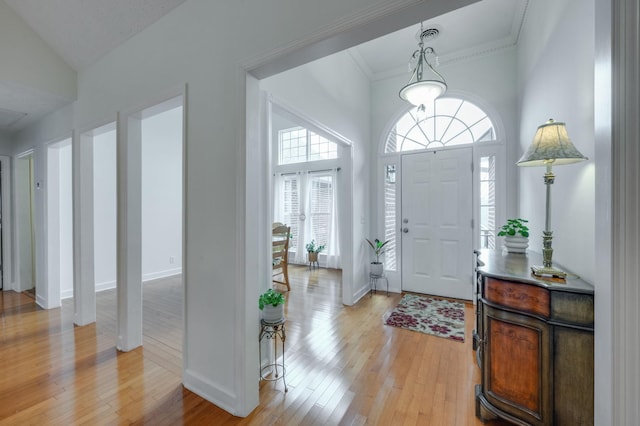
(343, 365)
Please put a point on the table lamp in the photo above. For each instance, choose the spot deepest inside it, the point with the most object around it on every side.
(551, 145)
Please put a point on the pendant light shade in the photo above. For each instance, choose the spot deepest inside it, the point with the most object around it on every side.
(425, 84)
(422, 92)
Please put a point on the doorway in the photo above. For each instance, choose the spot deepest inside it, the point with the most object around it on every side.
(150, 205)
(437, 219)
(6, 254)
(59, 206)
(310, 191)
(25, 230)
(103, 140)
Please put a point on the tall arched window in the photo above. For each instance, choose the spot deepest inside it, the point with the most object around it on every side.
(448, 122)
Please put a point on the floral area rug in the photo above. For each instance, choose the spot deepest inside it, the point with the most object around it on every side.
(431, 315)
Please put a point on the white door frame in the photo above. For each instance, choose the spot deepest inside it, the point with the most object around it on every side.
(18, 284)
(51, 297)
(254, 160)
(84, 292)
(7, 252)
(129, 239)
(345, 189)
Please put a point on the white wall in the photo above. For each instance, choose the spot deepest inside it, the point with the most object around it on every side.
(556, 80)
(334, 91)
(55, 126)
(6, 142)
(25, 55)
(104, 209)
(162, 194)
(161, 200)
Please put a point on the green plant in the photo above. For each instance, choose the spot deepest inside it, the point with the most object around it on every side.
(378, 248)
(313, 248)
(514, 227)
(270, 297)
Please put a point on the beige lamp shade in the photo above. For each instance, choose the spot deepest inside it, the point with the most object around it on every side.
(551, 144)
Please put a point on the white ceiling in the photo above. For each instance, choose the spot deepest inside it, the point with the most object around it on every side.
(82, 31)
(470, 31)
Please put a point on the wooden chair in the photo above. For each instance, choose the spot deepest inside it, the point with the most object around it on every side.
(280, 242)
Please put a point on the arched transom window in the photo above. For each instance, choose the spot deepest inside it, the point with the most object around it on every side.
(448, 122)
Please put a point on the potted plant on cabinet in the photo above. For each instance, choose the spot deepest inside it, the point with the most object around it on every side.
(312, 251)
(378, 249)
(516, 235)
(271, 303)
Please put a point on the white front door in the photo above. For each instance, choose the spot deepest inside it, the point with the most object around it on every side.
(437, 253)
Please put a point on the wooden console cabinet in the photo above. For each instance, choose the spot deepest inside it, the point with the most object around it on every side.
(534, 343)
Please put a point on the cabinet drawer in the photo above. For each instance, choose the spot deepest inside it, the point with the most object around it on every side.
(518, 296)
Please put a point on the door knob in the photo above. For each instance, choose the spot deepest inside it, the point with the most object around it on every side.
(405, 230)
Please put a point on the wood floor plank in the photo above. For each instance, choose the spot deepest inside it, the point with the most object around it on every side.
(344, 366)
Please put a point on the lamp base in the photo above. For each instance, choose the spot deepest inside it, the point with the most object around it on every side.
(543, 271)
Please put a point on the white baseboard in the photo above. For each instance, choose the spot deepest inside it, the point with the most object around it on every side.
(223, 398)
(40, 301)
(161, 274)
(67, 294)
(107, 285)
(362, 291)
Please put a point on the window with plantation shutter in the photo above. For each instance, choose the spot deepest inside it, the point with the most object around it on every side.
(291, 201)
(390, 255)
(488, 202)
(321, 207)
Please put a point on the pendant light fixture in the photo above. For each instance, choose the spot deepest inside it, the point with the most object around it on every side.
(420, 90)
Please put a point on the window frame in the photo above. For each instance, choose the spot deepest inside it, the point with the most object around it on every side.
(411, 116)
(311, 138)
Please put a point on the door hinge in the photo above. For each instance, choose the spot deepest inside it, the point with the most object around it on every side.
(472, 168)
(472, 224)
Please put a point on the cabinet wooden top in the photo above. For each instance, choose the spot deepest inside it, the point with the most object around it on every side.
(517, 267)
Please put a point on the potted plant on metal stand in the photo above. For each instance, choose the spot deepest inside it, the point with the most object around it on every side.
(377, 268)
(271, 303)
(312, 252)
(516, 235)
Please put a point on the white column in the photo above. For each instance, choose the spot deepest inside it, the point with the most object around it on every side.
(84, 293)
(625, 212)
(129, 244)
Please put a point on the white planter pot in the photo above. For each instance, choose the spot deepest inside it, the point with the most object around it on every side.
(516, 244)
(273, 314)
(376, 268)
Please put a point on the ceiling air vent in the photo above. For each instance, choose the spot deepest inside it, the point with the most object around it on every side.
(428, 34)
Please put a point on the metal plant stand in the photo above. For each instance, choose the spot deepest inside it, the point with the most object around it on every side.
(373, 281)
(273, 330)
